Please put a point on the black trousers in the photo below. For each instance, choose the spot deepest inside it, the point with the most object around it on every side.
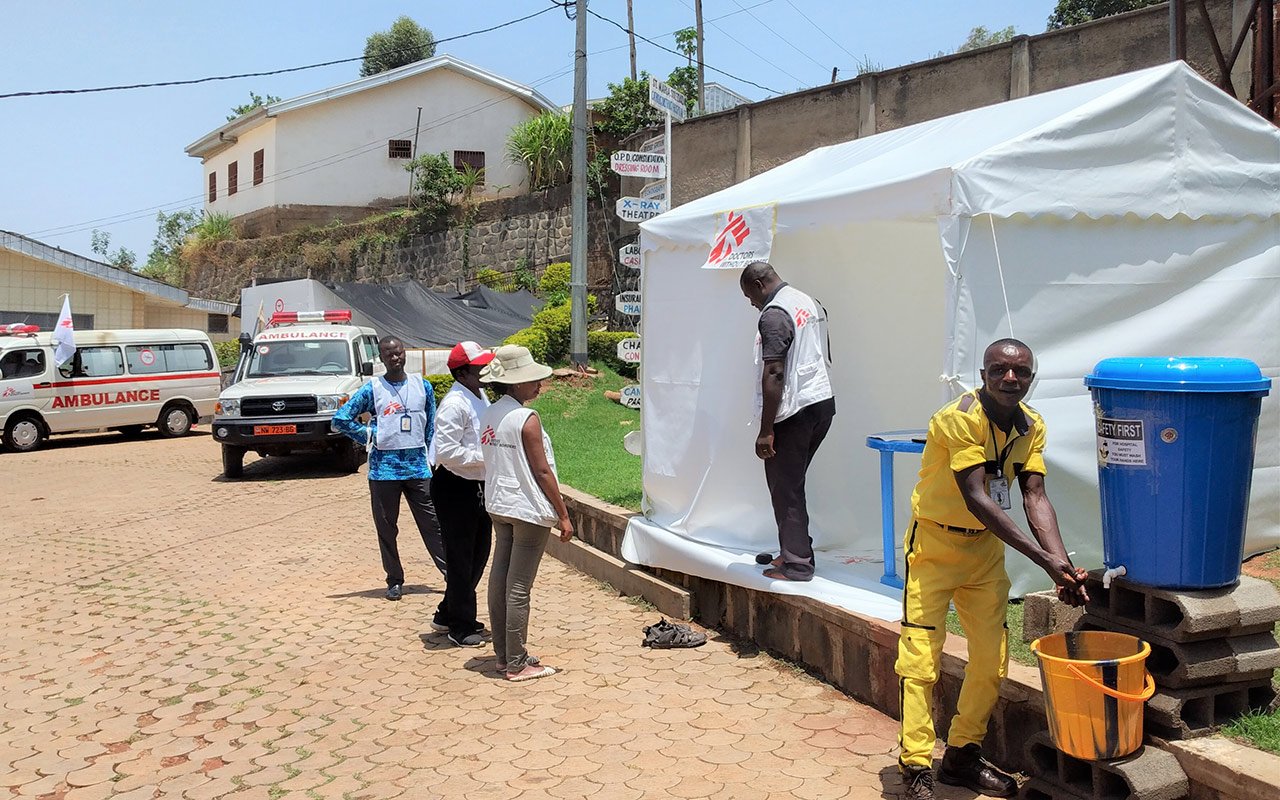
(468, 538)
(385, 499)
(795, 441)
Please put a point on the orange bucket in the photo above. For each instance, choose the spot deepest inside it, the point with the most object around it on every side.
(1095, 687)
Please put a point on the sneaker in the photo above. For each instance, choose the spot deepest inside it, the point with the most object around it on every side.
(470, 640)
(438, 627)
(393, 592)
(965, 766)
(919, 782)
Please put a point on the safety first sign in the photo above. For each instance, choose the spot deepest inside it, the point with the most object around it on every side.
(742, 237)
(1121, 442)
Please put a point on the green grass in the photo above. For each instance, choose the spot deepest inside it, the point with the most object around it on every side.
(586, 430)
(1019, 650)
(1260, 729)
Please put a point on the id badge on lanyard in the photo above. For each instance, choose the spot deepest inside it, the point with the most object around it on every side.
(997, 483)
(406, 423)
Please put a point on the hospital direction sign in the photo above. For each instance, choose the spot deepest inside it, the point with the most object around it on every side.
(629, 350)
(666, 99)
(628, 303)
(637, 209)
(629, 256)
(633, 163)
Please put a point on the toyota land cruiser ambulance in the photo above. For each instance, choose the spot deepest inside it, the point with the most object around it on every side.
(123, 380)
(293, 376)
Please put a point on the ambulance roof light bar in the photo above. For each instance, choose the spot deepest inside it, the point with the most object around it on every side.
(288, 317)
(18, 329)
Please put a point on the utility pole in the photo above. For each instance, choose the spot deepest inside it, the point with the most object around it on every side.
(631, 36)
(578, 249)
(697, 11)
(416, 127)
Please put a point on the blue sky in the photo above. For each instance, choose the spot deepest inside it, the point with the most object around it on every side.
(71, 163)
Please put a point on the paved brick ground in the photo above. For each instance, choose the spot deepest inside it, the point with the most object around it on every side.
(169, 634)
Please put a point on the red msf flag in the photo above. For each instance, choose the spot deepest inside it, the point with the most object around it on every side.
(741, 237)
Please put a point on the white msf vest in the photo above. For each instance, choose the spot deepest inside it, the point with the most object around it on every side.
(509, 486)
(390, 405)
(807, 376)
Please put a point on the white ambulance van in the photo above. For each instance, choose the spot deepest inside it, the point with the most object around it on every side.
(292, 378)
(123, 380)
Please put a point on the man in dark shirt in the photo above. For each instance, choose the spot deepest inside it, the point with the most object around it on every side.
(797, 405)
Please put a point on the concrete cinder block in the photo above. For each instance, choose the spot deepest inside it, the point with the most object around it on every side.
(1149, 774)
(1251, 606)
(1041, 789)
(672, 601)
(1199, 711)
(1043, 613)
(1178, 665)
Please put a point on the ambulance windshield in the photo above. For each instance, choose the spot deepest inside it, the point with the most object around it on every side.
(296, 357)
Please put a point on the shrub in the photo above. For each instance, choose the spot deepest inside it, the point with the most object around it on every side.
(554, 284)
(533, 338)
(491, 278)
(603, 346)
(544, 145)
(228, 353)
(441, 384)
(434, 181)
(555, 321)
(523, 278)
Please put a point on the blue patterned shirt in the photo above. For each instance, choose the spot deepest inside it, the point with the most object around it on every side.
(386, 465)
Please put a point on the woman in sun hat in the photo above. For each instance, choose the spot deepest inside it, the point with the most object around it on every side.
(522, 495)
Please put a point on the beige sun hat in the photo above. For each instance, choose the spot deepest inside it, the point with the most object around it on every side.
(513, 364)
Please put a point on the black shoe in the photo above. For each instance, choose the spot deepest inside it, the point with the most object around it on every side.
(965, 766)
(919, 782)
(469, 640)
(393, 592)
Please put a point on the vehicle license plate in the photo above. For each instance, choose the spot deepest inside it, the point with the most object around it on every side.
(274, 430)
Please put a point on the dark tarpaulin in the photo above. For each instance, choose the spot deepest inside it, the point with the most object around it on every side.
(423, 318)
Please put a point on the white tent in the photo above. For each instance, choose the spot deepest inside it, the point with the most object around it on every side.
(1137, 215)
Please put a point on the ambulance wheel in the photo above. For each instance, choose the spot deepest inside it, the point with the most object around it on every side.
(350, 456)
(232, 461)
(176, 419)
(130, 431)
(24, 433)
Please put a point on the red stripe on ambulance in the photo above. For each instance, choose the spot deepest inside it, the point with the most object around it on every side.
(78, 382)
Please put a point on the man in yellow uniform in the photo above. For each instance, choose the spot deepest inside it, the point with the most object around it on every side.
(955, 551)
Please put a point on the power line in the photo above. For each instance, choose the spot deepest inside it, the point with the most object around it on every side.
(255, 74)
(625, 29)
(784, 39)
(821, 30)
(753, 51)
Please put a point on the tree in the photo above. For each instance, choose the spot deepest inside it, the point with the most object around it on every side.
(1074, 12)
(434, 181)
(100, 243)
(255, 101)
(687, 43)
(981, 37)
(172, 231)
(627, 110)
(405, 43)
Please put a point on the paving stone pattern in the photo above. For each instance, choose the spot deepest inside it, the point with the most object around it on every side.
(169, 634)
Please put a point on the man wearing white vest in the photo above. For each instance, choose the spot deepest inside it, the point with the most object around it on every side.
(796, 405)
(402, 411)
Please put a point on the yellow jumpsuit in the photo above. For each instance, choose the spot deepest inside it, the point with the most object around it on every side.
(951, 558)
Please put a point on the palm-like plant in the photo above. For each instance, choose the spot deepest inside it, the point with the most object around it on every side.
(544, 145)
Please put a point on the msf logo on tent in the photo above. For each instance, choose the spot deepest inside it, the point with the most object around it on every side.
(734, 233)
(489, 436)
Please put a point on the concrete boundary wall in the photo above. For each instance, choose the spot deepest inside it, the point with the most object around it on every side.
(715, 151)
(856, 654)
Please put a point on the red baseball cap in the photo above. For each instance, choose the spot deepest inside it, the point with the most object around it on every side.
(464, 353)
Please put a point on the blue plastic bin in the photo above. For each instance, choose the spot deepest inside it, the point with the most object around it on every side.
(1175, 441)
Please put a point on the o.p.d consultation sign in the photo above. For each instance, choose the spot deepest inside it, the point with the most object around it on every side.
(633, 163)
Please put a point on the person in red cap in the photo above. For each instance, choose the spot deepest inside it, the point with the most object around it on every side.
(457, 488)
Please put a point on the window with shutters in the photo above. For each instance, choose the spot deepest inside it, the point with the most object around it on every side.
(471, 158)
(213, 186)
(399, 148)
(233, 177)
(218, 323)
(259, 165)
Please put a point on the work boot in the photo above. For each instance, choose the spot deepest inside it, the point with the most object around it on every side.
(965, 766)
(919, 782)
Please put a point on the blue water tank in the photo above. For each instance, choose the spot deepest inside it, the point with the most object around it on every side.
(1175, 441)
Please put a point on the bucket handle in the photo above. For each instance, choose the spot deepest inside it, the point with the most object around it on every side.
(1148, 689)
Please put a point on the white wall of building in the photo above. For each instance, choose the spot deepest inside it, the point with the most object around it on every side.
(335, 152)
(247, 197)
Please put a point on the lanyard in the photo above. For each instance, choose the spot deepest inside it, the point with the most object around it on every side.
(997, 467)
(396, 392)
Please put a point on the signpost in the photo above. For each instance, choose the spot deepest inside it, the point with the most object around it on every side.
(635, 209)
(628, 303)
(629, 256)
(632, 163)
(631, 396)
(657, 144)
(656, 190)
(629, 350)
(672, 104)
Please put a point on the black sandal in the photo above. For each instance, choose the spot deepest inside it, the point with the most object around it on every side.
(666, 635)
